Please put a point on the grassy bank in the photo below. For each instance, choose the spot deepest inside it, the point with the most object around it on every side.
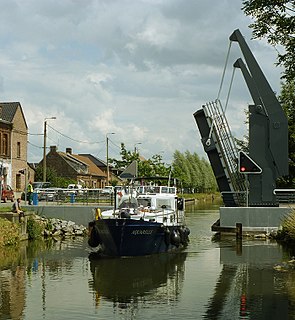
(5, 209)
(287, 232)
(9, 233)
(203, 196)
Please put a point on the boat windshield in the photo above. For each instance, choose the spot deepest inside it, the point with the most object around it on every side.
(129, 203)
(145, 202)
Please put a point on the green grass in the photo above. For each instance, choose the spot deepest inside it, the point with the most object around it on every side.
(287, 233)
(5, 208)
(201, 196)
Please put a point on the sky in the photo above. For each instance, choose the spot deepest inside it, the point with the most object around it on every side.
(138, 69)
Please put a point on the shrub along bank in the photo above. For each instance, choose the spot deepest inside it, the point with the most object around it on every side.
(9, 233)
(287, 232)
(37, 228)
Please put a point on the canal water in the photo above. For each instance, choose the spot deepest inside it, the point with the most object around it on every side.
(211, 279)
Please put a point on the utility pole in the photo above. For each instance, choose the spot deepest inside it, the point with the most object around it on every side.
(44, 146)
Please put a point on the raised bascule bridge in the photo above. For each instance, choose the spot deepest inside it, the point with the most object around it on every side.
(247, 180)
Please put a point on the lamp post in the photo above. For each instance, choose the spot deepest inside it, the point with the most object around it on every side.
(135, 150)
(108, 169)
(44, 147)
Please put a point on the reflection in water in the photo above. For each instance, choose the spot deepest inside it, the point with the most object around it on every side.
(127, 281)
(249, 287)
(19, 263)
(12, 281)
(12, 293)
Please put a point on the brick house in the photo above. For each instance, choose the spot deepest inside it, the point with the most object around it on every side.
(13, 144)
(114, 173)
(76, 167)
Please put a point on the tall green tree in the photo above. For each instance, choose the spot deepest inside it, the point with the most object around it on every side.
(275, 21)
(181, 169)
(287, 100)
(195, 174)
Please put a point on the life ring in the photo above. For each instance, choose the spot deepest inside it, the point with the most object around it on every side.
(94, 238)
(180, 203)
(184, 232)
(97, 214)
(167, 236)
(175, 238)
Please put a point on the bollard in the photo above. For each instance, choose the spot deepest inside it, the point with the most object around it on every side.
(35, 198)
(238, 230)
(72, 200)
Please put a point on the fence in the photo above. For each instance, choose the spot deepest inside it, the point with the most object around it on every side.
(70, 196)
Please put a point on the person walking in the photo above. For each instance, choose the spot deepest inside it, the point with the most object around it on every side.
(30, 192)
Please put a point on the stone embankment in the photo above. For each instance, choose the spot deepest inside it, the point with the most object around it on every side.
(54, 227)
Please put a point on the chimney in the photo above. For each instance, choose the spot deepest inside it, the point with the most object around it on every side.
(69, 150)
(53, 148)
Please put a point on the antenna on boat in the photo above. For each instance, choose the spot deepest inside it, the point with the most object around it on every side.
(169, 178)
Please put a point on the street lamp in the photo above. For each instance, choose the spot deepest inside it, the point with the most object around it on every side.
(44, 147)
(108, 169)
(135, 150)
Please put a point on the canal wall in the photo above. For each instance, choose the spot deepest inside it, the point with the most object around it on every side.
(81, 215)
(253, 219)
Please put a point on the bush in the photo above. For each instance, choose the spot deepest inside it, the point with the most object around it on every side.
(287, 233)
(9, 233)
(34, 229)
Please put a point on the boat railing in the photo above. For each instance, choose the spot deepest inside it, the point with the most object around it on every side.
(285, 195)
(165, 216)
(156, 190)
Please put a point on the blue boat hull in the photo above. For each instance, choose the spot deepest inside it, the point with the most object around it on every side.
(128, 237)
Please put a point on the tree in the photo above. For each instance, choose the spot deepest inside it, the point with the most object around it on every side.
(287, 100)
(53, 178)
(195, 174)
(146, 168)
(50, 174)
(181, 170)
(275, 21)
(126, 158)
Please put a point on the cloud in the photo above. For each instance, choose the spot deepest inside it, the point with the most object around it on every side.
(136, 68)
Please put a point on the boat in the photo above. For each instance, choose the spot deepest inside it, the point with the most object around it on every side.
(145, 220)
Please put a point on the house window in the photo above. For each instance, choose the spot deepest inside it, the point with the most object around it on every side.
(18, 182)
(5, 144)
(18, 150)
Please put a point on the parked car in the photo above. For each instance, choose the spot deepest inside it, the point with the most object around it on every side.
(47, 194)
(41, 185)
(37, 185)
(107, 190)
(7, 193)
(75, 188)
